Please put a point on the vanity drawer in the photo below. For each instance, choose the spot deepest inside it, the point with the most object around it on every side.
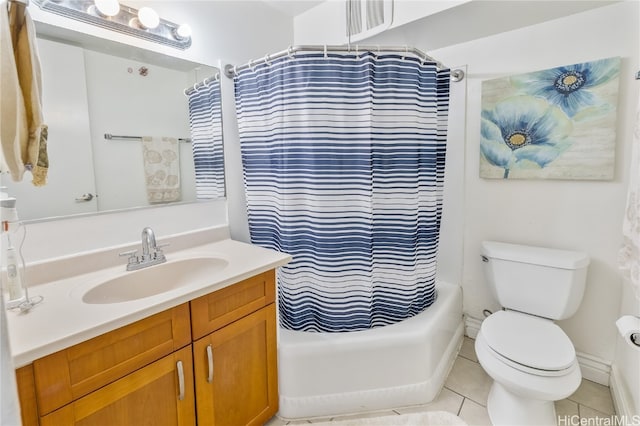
(222, 307)
(67, 375)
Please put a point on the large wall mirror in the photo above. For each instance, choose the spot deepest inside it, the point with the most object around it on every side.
(95, 88)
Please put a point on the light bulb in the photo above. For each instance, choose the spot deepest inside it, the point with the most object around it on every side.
(107, 7)
(183, 32)
(148, 18)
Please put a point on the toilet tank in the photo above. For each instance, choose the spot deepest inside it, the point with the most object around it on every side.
(540, 281)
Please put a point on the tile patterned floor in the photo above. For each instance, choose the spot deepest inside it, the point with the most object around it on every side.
(467, 387)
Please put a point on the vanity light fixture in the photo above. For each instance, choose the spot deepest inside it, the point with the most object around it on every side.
(107, 8)
(183, 32)
(148, 18)
(110, 14)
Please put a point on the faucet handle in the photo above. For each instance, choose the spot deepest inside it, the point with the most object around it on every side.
(132, 260)
(132, 256)
(159, 254)
(129, 253)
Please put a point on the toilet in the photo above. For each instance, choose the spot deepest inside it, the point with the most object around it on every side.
(531, 360)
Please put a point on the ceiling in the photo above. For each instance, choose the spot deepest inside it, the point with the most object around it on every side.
(292, 7)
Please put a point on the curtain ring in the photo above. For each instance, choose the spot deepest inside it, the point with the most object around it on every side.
(235, 70)
(217, 77)
(406, 52)
(357, 52)
(204, 82)
(266, 60)
(290, 52)
(325, 51)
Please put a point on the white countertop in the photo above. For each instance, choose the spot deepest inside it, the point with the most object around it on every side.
(63, 319)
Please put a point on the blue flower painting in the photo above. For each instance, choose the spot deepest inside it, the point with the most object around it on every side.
(555, 124)
(523, 129)
(569, 87)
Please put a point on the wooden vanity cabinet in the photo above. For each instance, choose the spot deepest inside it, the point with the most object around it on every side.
(211, 361)
(72, 373)
(235, 362)
(159, 394)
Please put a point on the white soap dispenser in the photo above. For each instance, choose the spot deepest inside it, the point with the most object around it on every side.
(13, 274)
(14, 279)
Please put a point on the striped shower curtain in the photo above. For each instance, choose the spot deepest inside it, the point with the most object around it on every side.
(343, 163)
(205, 121)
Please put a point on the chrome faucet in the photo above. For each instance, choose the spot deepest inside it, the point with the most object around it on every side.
(151, 252)
(148, 243)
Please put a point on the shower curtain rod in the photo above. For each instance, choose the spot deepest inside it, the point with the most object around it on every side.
(231, 70)
(203, 83)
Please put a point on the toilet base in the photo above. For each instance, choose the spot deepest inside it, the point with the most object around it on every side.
(508, 409)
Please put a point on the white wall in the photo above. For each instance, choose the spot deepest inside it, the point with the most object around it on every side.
(450, 246)
(87, 233)
(323, 24)
(582, 215)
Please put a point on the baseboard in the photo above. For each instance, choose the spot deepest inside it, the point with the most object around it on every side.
(593, 368)
(622, 400)
(471, 326)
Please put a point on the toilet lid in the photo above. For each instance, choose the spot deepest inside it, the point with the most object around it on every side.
(528, 340)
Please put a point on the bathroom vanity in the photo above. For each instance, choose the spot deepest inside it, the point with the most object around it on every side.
(201, 354)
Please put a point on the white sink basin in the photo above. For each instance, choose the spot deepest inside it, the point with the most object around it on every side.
(154, 280)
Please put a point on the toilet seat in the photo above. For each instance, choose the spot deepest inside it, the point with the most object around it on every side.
(528, 383)
(518, 397)
(529, 344)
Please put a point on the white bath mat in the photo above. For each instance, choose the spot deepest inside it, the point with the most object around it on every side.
(431, 418)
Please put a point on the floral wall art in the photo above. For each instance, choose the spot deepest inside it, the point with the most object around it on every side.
(553, 124)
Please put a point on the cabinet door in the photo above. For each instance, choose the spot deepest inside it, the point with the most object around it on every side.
(158, 394)
(215, 310)
(74, 372)
(27, 394)
(236, 372)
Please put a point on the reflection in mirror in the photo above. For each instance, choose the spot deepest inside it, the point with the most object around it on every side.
(89, 93)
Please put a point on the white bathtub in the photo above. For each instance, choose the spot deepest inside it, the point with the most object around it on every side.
(325, 374)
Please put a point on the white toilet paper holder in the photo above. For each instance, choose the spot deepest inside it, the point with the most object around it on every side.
(629, 329)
